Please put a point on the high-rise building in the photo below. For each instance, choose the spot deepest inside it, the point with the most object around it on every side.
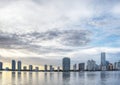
(66, 64)
(45, 68)
(19, 65)
(13, 65)
(91, 65)
(118, 65)
(74, 67)
(81, 66)
(103, 61)
(51, 68)
(1, 65)
(30, 67)
(107, 65)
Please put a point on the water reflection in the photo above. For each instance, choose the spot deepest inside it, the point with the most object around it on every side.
(25, 78)
(81, 78)
(66, 78)
(0, 78)
(19, 78)
(103, 75)
(13, 78)
(91, 75)
(59, 78)
(45, 78)
(81, 75)
(30, 77)
(37, 78)
(51, 76)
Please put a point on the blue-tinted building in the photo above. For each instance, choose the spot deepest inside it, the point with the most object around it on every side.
(103, 61)
(66, 64)
(13, 65)
(1, 65)
(19, 65)
(81, 66)
(30, 67)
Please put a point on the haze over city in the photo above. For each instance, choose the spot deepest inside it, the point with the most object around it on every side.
(45, 31)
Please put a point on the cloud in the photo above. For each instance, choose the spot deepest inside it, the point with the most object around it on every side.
(51, 29)
(58, 41)
(38, 15)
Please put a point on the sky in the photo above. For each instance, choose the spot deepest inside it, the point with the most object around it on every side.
(44, 31)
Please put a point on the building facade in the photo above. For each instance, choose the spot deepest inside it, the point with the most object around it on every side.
(66, 64)
(91, 65)
(74, 67)
(81, 66)
(1, 65)
(45, 68)
(19, 65)
(30, 67)
(103, 61)
(13, 65)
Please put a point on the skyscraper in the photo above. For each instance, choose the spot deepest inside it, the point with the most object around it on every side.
(91, 65)
(66, 64)
(103, 61)
(1, 65)
(45, 67)
(19, 65)
(51, 68)
(13, 65)
(30, 67)
(81, 66)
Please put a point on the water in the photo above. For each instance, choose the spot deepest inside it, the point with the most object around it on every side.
(59, 78)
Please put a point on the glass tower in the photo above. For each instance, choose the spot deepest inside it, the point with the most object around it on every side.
(13, 65)
(1, 65)
(66, 64)
(103, 61)
(19, 65)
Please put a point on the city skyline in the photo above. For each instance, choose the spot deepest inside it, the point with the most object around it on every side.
(66, 65)
(39, 30)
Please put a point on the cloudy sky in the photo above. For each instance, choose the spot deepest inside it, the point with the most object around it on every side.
(45, 31)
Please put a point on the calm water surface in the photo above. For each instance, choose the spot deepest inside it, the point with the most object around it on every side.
(59, 78)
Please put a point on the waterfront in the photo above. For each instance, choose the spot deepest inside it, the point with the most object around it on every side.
(59, 78)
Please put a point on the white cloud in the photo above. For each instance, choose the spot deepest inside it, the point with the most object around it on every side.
(29, 15)
(116, 9)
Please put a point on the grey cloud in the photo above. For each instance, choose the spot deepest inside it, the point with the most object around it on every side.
(67, 38)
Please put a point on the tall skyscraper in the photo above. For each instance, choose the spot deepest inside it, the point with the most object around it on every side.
(13, 65)
(19, 65)
(103, 61)
(51, 68)
(45, 67)
(81, 66)
(1, 65)
(66, 64)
